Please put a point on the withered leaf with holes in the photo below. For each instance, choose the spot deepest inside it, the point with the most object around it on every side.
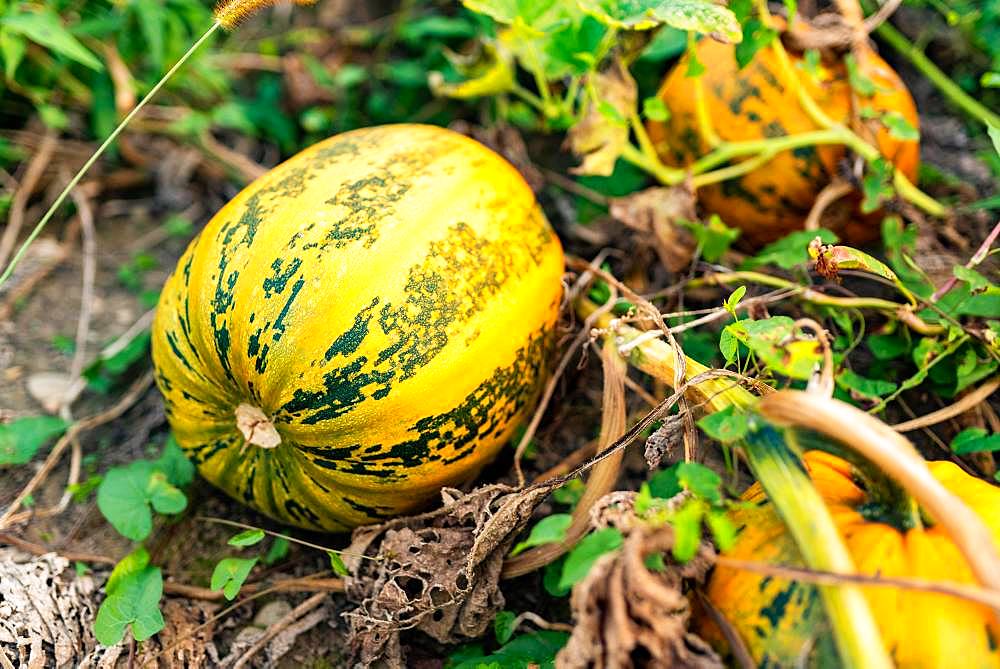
(437, 572)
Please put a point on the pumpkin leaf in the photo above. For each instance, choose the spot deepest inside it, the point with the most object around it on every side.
(134, 590)
(20, 439)
(975, 440)
(585, 554)
(548, 530)
(230, 574)
(503, 626)
(714, 237)
(697, 15)
(603, 133)
(756, 36)
(127, 494)
(888, 346)
(247, 538)
(485, 75)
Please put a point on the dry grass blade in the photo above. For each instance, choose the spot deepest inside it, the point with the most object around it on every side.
(967, 402)
(602, 478)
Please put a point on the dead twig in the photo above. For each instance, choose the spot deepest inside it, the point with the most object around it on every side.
(39, 549)
(972, 593)
(279, 626)
(128, 399)
(966, 403)
(32, 175)
(976, 258)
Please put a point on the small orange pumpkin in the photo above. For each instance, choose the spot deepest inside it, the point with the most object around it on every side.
(753, 103)
(782, 622)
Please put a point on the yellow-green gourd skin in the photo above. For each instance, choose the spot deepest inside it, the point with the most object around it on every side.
(387, 299)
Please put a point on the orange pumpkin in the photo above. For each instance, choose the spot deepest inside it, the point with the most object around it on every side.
(782, 622)
(753, 104)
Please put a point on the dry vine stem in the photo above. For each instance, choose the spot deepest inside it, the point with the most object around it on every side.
(602, 477)
(896, 456)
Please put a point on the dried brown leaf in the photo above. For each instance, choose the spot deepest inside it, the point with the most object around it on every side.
(188, 644)
(437, 572)
(624, 611)
(654, 214)
(603, 133)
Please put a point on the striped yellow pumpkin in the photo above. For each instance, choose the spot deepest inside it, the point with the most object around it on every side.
(362, 325)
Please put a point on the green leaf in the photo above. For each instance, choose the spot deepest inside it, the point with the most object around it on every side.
(975, 440)
(773, 340)
(859, 81)
(337, 564)
(701, 481)
(994, 133)
(45, 28)
(127, 493)
(847, 257)
(503, 626)
(687, 530)
(12, 48)
(570, 492)
(277, 552)
(485, 76)
(872, 388)
(230, 574)
(247, 538)
(734, 299)
(134, 590)
(105, 372)
(697, 15)
(976, 281)
(665, 483)
(756, 36)
(535, 650)
(714, 237)
(888, 346)
(174, 464)
(585, 554)
(723, 529)
(729, 346)
(20, 439)
(791, 250)
(899, 127)
(655, 109)
(548, 530)
(990, 80)
(876, 185)
(725, 426)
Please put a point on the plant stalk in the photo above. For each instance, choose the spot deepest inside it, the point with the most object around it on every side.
(788, 486)
(100, 151)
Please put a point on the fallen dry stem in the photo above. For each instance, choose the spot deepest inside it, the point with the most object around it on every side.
(280, 626)
(966, 403)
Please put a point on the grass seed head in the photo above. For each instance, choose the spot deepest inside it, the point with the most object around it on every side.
(231, 13)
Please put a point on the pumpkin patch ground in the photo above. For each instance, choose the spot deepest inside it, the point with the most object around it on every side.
(460, 335)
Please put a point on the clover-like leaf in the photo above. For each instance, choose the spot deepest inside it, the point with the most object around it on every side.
(230, 574)
(247, 538)
(134, 590)
(127, 493)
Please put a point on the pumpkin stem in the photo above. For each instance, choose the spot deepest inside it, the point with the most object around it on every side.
(256, 427)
